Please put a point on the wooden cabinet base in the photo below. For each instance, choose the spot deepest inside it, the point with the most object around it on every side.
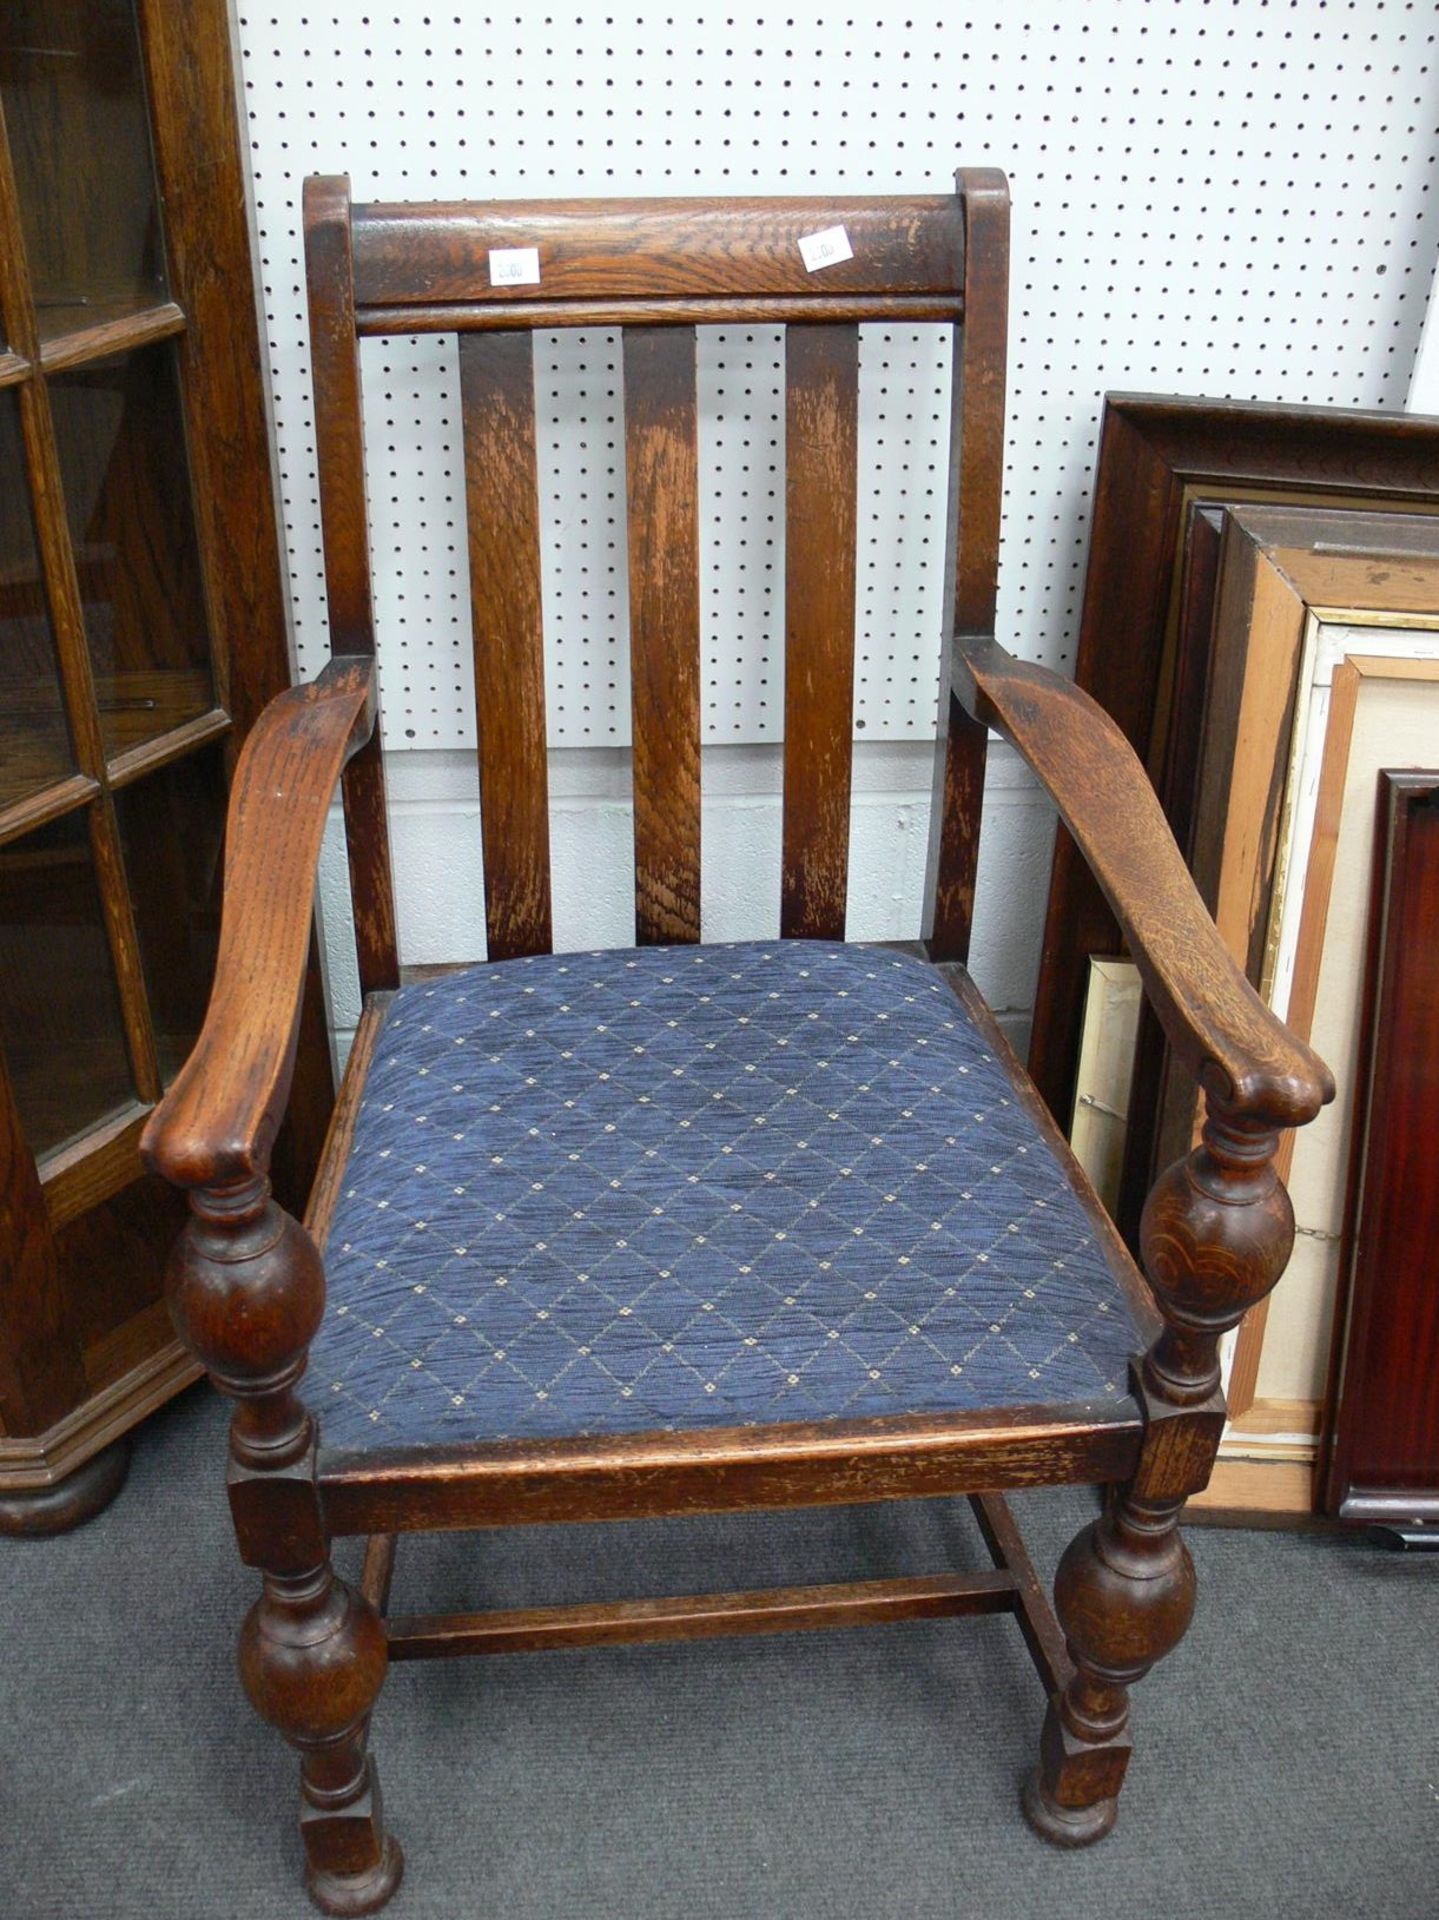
(58, 1479)
(38, 1511)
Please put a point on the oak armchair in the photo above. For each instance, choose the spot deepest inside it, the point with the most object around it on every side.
(687, 1228)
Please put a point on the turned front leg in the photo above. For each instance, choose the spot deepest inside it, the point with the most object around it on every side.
(246, 1289)
(313, 1658)
(1125, 1595)
(1216, 1235)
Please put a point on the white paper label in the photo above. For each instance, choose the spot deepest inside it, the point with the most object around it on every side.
(514, 266)
(825, 249)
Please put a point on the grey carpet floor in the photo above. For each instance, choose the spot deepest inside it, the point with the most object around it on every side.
(1286, 1763)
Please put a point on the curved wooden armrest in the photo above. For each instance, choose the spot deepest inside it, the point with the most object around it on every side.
(218, 1121)
(1217, 1024)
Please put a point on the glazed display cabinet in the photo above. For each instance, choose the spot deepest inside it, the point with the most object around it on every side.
(142, 627)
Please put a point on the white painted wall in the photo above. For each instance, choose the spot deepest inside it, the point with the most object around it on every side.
(439, 869)
(1424, 381)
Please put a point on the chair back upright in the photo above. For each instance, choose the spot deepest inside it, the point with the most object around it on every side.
(657, 270)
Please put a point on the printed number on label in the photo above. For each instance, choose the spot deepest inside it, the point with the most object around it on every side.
(514, 266)
(825, 249)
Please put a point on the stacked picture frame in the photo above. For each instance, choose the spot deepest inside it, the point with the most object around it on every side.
(1382, 1459)
(1242, 556)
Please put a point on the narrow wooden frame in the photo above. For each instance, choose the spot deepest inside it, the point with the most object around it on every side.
(1260, 1480)
(1335, 780)
(1382, 1114)
(1349, 676)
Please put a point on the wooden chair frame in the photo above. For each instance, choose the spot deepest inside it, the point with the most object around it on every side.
(247, 1284)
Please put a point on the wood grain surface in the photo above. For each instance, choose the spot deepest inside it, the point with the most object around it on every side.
(1384, 1444)
(728, 1469)
(655, 249)
(218, 1120)
(975, 490)
(1216, 1023)
(340, 454)
(662, 495)
(821, 448)
(497, 401)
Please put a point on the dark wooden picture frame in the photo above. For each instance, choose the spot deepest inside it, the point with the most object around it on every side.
(1161, 459)
(1277, 568)
(1274, 569)
(1382, 1445)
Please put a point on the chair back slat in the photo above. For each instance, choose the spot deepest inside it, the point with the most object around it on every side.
(662, 500)
(497, 402)
(821, 447)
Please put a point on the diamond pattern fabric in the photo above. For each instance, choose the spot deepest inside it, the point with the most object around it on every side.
(667, 1188)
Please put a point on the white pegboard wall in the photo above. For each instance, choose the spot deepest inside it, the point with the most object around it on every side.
(1231, 198)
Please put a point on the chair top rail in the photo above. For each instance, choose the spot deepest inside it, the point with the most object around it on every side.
(431, 265)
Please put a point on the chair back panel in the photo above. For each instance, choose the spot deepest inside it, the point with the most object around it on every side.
(656, 269)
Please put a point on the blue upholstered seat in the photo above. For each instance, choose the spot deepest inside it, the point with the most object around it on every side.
(702, 1186)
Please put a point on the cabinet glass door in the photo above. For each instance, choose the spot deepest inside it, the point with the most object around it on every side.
(112, 722)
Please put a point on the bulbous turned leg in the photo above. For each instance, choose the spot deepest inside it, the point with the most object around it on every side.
(313, 1659)
(1216, 1233)
(1125, 1595)
(247, 1291)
